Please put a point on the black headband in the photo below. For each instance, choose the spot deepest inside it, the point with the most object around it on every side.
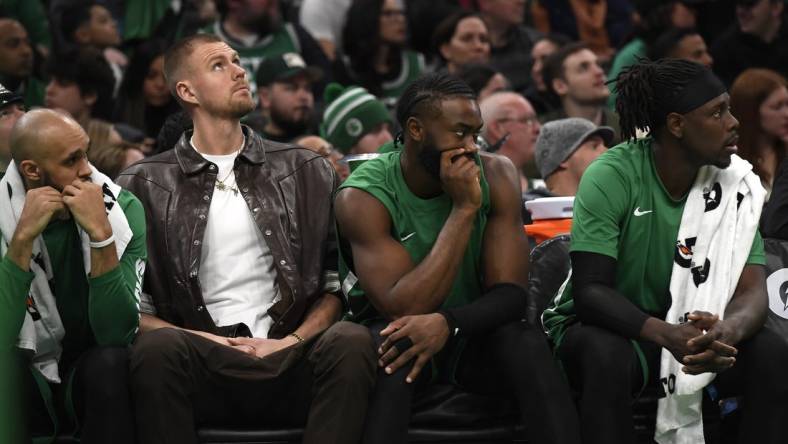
(704, 87)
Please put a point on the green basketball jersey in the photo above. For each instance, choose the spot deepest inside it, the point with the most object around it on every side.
(413, 66)
(623, 210)
(415, 223)
(282, 41)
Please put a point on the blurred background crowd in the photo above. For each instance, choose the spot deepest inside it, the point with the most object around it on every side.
(327, 73)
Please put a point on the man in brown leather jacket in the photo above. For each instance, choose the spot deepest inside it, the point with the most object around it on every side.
(239, 322)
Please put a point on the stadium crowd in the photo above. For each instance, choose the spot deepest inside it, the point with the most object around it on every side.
(306, 213)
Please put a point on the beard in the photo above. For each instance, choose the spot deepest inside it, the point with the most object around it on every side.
(46, 181)
(430, 157)
(290, 127)
(235, 109)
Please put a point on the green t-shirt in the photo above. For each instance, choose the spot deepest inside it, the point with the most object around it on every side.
(101, 310)
(416, 222)
(413, 66)
(626, 57)
(623, 210)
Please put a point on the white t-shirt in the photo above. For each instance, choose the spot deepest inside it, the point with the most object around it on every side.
(237, 271)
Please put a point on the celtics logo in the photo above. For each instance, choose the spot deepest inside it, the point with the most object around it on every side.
(354, 127)
(777, 287)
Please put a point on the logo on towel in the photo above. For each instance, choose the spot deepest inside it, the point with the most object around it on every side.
(109, 197)
(32, 309)
(701, 274)
(683, 255)
(639, 213)
(777, 287)
(712, 196)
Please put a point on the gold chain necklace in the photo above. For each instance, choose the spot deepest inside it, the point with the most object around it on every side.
(222, 186)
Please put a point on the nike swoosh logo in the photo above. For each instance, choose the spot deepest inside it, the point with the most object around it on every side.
(638, 213)
(407, 237)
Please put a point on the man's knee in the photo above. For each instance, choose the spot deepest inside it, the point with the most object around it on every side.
(103, 373)
(520, 336)
(347, 348)
(153, 353)
(604, 355)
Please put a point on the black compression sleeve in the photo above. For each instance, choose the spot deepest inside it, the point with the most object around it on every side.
(596, 300)
(501, 304)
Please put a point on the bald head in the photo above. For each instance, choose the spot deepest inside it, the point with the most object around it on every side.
(40, 132)
(501, 105)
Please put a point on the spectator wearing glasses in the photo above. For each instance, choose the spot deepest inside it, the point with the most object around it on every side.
(375, 49)
(511, 129)
(756, 40)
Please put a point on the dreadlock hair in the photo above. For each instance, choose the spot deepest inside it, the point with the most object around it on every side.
(425, 94)
(646, 90)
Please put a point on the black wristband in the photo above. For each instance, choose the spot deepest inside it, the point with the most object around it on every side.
(450, 321)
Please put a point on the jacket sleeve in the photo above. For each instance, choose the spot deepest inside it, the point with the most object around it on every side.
(113, 305)
(14, 288)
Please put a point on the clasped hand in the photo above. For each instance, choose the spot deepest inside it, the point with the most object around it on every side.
(428, 334)
(84, 200)
(703, 344)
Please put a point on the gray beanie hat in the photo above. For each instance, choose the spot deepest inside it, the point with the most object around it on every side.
(559, 139)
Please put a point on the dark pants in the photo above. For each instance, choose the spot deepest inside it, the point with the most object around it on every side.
(100, 398)
(604, 369)
(514, 360)
(181, 381)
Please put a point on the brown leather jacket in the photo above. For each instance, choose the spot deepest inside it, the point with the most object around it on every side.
(289, 191)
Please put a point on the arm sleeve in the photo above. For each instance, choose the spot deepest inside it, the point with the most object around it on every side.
(502, 303)
(114, 301)
(600, 206)
(14, 288)
(596, 300)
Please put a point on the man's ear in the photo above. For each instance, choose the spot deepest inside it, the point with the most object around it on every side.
(415, 129)
(264, 92)
(30, 170)
(674, 122)
(185, 92)
(560, 87)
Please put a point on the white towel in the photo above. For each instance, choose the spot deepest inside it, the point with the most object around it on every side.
(42, 330)
(715, 237)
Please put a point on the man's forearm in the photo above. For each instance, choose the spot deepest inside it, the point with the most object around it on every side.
(103, 260)
(14, 288)
(745, 315)
(323, 313)
(426, 287)
(501, 304)
(600, 305)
